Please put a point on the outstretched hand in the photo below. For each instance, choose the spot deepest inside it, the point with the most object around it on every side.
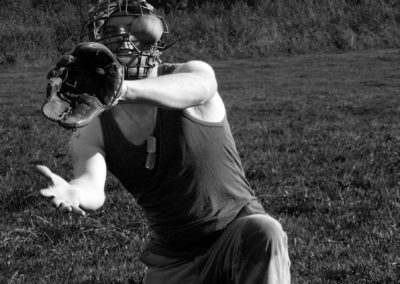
(64, 196)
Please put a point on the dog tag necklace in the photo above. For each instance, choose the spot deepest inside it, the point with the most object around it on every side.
(151, 150)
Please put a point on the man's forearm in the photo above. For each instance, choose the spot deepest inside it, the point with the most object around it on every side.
(176, 91)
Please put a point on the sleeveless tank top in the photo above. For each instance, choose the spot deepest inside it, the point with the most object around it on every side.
(196, 188)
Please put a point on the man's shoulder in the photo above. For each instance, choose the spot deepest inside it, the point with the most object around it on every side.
(189, 66)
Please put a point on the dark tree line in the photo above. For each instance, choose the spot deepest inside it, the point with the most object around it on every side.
(165, 5)
(173, 5)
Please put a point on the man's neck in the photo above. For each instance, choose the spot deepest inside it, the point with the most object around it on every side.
(135, 121)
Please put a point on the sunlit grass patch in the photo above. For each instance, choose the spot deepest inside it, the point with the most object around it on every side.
(319, 141)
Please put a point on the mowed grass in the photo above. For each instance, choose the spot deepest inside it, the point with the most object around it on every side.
(319, 139)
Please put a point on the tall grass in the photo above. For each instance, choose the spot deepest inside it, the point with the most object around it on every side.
(33, 33)
(286, 26)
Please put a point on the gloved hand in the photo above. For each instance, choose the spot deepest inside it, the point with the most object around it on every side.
(84, 83)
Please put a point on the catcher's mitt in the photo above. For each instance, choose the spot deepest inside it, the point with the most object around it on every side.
(84, 83)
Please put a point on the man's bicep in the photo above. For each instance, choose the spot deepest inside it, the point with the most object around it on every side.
(194, 66)
(204, 75)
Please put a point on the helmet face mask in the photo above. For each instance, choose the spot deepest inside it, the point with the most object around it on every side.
(110, 24)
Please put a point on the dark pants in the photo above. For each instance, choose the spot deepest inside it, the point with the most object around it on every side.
(251, 250)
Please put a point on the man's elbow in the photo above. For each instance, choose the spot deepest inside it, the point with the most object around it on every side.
(208, 89)
(95, 203)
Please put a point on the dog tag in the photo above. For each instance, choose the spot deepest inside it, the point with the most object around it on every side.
(151, 144)
(150, 161)
(151, 152)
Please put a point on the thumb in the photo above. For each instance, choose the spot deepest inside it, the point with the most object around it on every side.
(47, 192)
(45, 171)
(54, 179)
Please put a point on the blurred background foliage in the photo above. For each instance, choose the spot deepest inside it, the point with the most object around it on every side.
(36, 32)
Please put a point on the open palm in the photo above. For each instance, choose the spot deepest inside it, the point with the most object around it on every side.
(65, 197)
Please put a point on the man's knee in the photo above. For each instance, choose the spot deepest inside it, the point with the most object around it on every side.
(263, 249)
(263, 227)
(263, 236)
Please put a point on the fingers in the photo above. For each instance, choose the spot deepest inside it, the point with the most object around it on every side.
(57, 192)
(64, 208)
(67, 208)
(78, 210)
(56, 202)
(71, 208)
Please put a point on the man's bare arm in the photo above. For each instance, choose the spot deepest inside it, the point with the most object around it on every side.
(86, 190)
(191, 84)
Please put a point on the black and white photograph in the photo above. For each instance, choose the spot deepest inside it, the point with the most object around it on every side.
(200, 141)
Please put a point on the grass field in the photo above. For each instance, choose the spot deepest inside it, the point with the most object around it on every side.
(320, 141)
